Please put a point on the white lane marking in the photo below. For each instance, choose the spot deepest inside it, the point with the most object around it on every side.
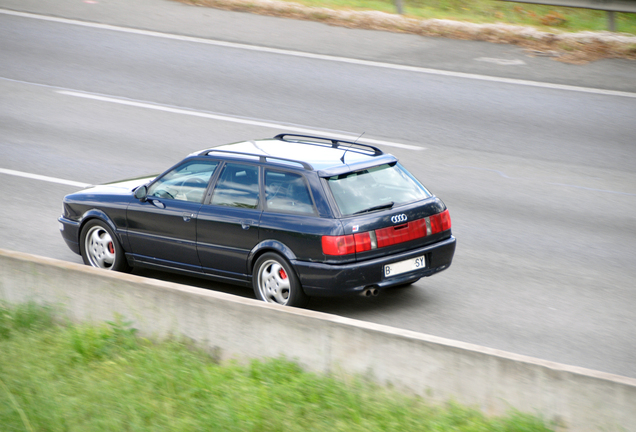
(482, 169)
(551, 184)
(502, 62)
(226, 118)
(43, 178)
(593, 189)
(223, 117)
(323, 57)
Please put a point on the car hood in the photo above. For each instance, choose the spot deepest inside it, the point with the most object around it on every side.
(120, 186)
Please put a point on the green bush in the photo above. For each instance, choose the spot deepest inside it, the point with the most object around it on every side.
(22, 318)
(95, 342)
(105, 378)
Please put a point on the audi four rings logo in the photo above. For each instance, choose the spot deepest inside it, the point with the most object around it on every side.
(399, 218)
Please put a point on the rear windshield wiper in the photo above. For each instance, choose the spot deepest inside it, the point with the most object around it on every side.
(378, 207)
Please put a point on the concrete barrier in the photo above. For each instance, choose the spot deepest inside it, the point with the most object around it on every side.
(436, 368)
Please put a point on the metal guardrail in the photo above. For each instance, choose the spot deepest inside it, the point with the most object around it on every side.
(611, 6)
(606, 5)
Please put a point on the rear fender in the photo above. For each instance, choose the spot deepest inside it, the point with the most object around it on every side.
(268, 246)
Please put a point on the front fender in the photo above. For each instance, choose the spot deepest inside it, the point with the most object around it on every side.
(101, 215)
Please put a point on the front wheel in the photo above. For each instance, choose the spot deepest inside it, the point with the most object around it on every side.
(275, 281)
(99, 247)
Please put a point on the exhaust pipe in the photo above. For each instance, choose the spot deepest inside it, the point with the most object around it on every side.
(370, 292)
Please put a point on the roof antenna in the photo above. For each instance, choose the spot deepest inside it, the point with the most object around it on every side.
(345, 152)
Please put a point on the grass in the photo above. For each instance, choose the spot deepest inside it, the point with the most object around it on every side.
(543, 17)
(492, 11)
(545, 30)
(105, 378)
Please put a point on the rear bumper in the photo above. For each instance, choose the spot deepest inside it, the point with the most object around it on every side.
(320, 279)
(70, 233)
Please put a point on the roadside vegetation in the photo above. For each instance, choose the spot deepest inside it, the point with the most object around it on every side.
(91, 378)
(571, 35)
(487, 11)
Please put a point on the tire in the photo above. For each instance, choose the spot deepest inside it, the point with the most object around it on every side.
(275, 281)
(99, 247)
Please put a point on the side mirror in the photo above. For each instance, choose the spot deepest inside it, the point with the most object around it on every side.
(141, 192)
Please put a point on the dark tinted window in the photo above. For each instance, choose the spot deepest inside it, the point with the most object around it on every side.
(287, 192)
(187, 182)
(237, 186)
(377, 187)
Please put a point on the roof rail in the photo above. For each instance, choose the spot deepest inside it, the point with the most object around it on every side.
(335, 143)
(261, 158)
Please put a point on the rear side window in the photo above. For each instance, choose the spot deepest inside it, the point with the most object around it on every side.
(287, 192)
(237, 186)
(375, 188)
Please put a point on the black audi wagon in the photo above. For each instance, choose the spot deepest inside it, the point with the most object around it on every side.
(293, 216)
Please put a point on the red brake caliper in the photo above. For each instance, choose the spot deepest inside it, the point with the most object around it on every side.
(282, 274)
(111, 248)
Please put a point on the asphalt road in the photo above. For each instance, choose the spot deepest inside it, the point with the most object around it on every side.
(539, 178)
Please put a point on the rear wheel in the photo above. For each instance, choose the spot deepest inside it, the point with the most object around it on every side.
(275, 281)
(100, 248)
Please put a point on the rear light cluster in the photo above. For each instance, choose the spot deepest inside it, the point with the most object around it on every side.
(361, 242)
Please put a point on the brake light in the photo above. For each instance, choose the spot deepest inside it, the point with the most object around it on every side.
(440, 222)
(436, 224)
(446, 220)
(338, 245)
(401, 233)
(365, 241)
(348, 244)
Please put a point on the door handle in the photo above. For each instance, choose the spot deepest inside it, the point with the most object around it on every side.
(246, 224)
(157, 203)
(188, 216)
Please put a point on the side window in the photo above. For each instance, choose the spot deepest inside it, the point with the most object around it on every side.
(287, 192)
(237, 186)
(187, 182)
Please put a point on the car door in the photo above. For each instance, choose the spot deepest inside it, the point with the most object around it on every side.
(290, 216)
(162, 227)
(227, 227)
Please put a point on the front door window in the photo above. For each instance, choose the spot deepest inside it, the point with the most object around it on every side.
(187, 182)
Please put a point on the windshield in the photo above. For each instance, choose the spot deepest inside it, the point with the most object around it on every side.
(376, 188)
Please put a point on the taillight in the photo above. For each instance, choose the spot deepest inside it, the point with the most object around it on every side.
(436, 224)
(446, 220)
(401, 233)
(338, 245)
(365, 241)
(440, 222)
(348, 244)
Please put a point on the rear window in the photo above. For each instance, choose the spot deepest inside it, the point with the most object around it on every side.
(376, 188)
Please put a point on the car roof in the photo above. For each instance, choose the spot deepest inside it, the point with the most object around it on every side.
(327, 156)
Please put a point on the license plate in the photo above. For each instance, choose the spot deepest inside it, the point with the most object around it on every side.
(405, 266)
